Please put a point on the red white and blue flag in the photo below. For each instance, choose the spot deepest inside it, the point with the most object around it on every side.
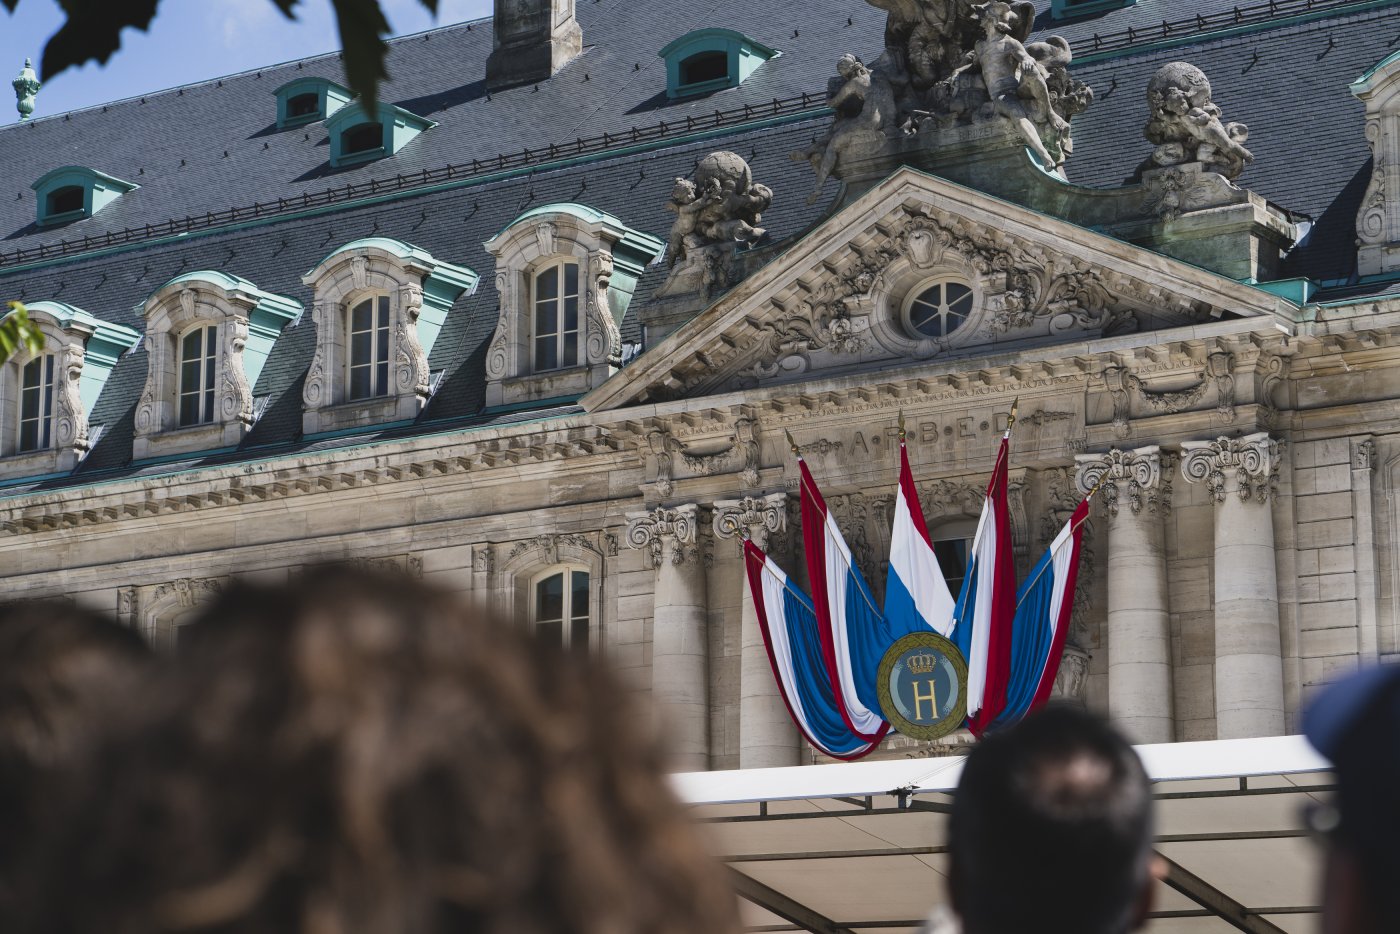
(796, 652)
(983, 618)
(1044, 605)
(854, 638)
(916, 592)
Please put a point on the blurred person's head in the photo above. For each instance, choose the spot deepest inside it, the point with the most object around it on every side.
(355, 753)
(1051, 830)
(1355, 723)
(61, 668)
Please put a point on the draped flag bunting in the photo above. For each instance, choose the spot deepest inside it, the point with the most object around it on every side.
(1043, 610)
(985, 611)
(916, 593)
(826, 650)
(796, 653)
(853, 634)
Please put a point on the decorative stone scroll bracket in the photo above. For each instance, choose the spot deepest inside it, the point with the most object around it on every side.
(744, 451)
(1218, 371)
(1251, 462)
(760, 518)
(1135, 475)
(674, 529)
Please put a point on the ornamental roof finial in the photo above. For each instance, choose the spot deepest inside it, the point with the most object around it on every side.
(26, 85)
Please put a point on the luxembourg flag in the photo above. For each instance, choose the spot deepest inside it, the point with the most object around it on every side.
(854, 637)
(985, 610)
(1043, 610)
(916, 593)
(796, 652)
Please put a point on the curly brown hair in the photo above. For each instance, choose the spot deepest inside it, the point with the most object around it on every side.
(357, 754)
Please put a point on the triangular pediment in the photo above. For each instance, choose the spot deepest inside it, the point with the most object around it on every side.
(840, 299)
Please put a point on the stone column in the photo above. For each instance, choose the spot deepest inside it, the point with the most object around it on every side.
(1135, 497)
(1240, 476)
(767, 736)
(680, 679)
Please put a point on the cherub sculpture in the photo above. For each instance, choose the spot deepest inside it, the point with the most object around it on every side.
(865, 107)
(1185, 124)
(1015, 78)
(722, 207)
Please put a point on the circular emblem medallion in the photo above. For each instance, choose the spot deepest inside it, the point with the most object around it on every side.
(923, 686)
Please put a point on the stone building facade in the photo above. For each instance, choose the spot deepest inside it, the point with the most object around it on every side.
(493, 355)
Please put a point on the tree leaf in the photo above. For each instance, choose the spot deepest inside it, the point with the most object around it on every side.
(92, 31)
(432, 6)
(16, 331)
(287, 7)
(9, 4)
(362, 31)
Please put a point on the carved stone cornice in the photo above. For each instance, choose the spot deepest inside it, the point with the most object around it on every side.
(673, 529)
(759, 518)
(1137, 475)
(1251, 462)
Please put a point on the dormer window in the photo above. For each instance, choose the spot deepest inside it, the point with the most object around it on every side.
(208, 335)
(45, 397)
(365, 138)
(1066, 9)
(36, 404)
(566, 274)
(74, 192)
(556, 317)
(708, 60)
(369, 348)
(380, 304)
(307, 100)
(199, 352)
(360, 137)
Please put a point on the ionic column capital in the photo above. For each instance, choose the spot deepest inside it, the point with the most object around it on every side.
(753, 517)
(1136, 474)
(666, 528)
(1247, 466)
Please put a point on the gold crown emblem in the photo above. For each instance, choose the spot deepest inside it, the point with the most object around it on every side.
(922, 664)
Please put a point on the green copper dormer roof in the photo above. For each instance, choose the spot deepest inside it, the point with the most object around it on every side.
(294, 98)
(352, 137)
(443, 282)
(269, 315)
(104, 343)
(710, 60)
(1065, 9)
(634, 248)
(1363, 84)
(73, 192)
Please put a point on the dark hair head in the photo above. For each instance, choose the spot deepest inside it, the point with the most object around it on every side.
(1364, 747)
(1054, 811)
(61, 667)
(357, 753)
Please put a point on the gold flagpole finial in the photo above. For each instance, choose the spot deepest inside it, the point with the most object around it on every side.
(1011, 419)
(901, 426)
(796, 451)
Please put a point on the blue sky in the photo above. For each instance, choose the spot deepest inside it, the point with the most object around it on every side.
(189, 41)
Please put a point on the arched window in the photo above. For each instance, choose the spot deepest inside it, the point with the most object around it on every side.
(559, 608)
(303, 105)
(36, 401)
(369, 348)
(199, 350)
(366, 137)
(65, 200)
(556, 317)
(705, 66)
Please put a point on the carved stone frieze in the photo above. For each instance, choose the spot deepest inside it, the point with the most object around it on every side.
(1073, 676)
(1250, 462)
(187, 591)
(760, 518)
(548, 545)
(666, 533)
(1135, 476)
(742, 452)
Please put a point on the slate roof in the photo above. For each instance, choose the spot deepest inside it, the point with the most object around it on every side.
(1288, 82)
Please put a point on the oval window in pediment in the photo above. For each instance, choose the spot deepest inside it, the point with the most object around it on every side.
(937, 309)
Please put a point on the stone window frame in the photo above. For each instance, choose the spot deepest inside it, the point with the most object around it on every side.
(530, 560)
(85, 350)
(248, 322)
(922, 266)
(611, 258)
(532, 610)
(421, 290)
